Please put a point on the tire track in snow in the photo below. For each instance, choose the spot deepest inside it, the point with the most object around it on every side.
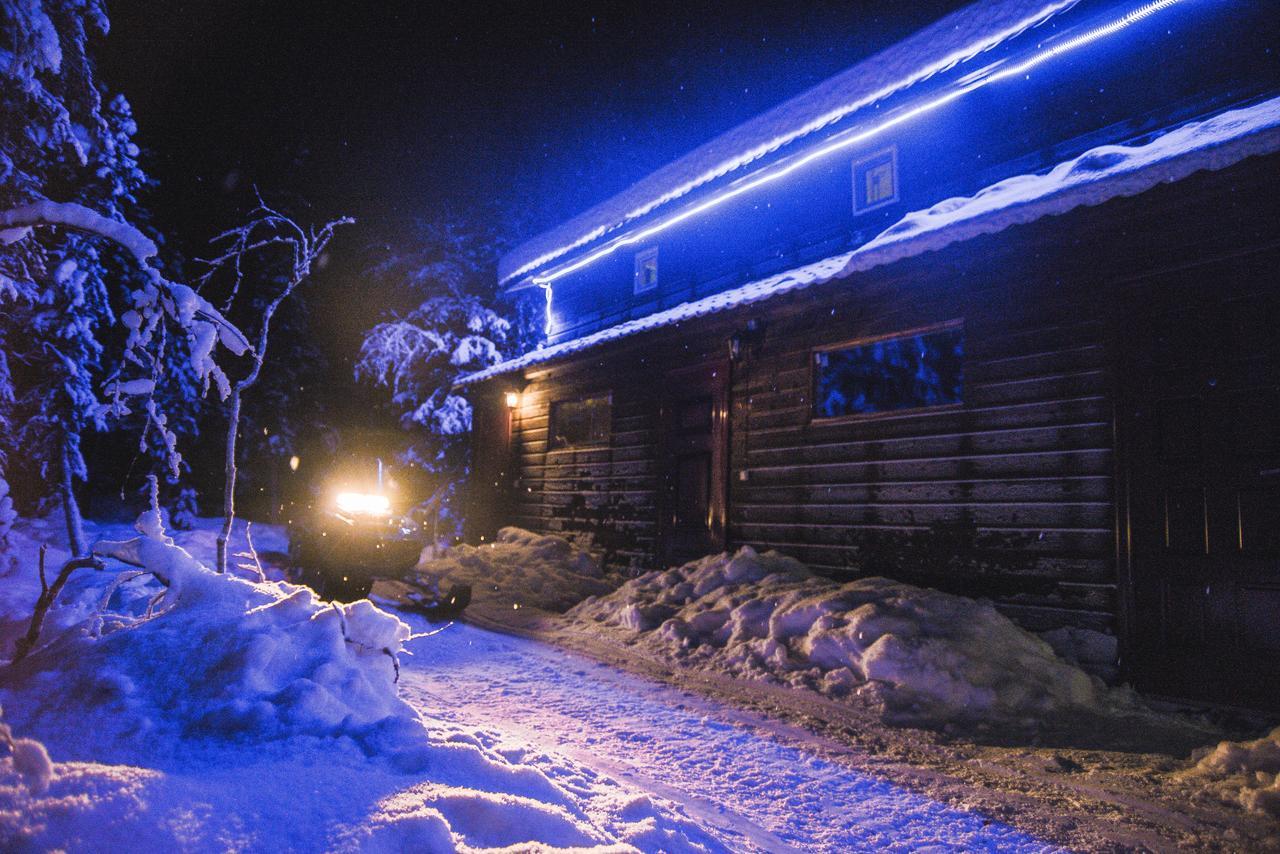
(768, 794)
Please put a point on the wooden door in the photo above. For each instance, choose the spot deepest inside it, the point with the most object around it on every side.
(693, 451)
(489, 485)
(1200, 446)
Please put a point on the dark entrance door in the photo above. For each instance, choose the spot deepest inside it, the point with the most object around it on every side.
(1200, 445)
(693, 454)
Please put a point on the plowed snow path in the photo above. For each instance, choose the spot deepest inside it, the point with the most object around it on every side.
(761, 791)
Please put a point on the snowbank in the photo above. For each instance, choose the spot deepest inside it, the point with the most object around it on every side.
(520, 569)
(188, 710)
(213, 655)
(1245, 772)
(20, 584)
(920, 656)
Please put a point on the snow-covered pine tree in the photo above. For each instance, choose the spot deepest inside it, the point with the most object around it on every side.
(89, 323)
(458, 327)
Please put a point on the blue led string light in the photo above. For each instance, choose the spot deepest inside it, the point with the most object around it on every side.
(989, 75)
(546, 292)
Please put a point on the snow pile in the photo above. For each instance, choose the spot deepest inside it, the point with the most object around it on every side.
(920, 656)
(214, 655)
(520, 569)
(1246, 772)
(187, 710)
(28, 759)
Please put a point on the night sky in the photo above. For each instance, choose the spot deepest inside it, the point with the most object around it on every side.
(390, 110)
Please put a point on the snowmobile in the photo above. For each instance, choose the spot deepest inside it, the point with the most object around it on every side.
(339, 548)
(351, 532)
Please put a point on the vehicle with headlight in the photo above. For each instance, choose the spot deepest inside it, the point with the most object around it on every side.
(350, 537)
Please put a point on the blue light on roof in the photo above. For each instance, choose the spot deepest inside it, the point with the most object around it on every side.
(991, 74)
(547, 322)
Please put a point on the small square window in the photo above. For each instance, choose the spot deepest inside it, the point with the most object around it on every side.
(585, 421)
(646, 276)
(917, 369)
(875, 181)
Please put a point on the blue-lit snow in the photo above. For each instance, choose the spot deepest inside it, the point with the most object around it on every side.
(513, 742)
(751, 786)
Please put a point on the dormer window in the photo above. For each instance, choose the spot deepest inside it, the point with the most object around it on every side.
(875, 181)
(646, 274)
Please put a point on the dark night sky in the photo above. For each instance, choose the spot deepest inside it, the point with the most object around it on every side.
(386, 110)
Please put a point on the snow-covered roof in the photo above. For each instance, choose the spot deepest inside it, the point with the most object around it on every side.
(1102, 173)
(938, 47)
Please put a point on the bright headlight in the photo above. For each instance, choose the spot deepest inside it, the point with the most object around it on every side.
(365, 503)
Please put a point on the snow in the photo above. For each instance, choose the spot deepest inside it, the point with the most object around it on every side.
(487, 740)
(29, 759)
(519, 569)
(937, 48)
(759, 785)
(1096, 176)
(919, 656)
(1245, 772)
(217, 655)
(80, 218)
(217, 713)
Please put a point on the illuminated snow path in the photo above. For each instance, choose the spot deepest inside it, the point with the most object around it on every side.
(758, 791)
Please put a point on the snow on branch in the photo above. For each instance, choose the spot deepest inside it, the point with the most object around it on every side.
(17, 222)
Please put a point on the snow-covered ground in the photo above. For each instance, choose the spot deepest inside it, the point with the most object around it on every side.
(757, 789)
(247, 716)
(214, 713)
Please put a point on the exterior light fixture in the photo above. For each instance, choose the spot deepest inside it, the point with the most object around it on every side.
(294, 462)
(513, 399)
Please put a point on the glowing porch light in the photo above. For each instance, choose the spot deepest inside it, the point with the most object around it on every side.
(972, 83)
(294, 462)
(513, 399)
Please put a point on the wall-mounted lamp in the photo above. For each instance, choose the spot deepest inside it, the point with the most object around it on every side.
(746, 341)
(513, 399)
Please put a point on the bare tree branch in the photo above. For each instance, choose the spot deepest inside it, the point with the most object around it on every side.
(47, 596)
(266, 229)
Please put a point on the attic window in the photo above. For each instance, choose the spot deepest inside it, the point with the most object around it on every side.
(646, 276)
(875, 181)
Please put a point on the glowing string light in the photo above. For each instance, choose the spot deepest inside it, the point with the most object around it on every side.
(547, 293)
(992, 74)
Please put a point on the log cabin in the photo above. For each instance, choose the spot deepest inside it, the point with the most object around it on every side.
(994, 311)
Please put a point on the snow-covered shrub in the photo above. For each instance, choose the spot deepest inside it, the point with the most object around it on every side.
(1247, 772)
(920, 655)
(520, 569)
(7, 517)
(212, 655)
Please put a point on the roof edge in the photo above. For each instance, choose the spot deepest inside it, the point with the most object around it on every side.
(511, 266)
(1096, 176)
